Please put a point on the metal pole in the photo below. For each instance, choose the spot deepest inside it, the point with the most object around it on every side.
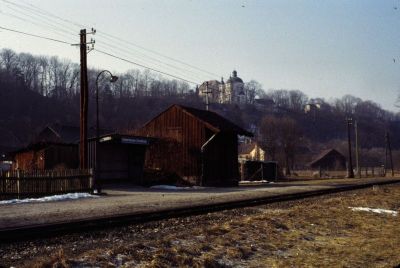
(350, 173)
(97, 162)
(97, 143)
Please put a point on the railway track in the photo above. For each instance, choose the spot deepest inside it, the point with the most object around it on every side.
(90, 224)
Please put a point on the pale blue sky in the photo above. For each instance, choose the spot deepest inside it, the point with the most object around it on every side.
(324, 48)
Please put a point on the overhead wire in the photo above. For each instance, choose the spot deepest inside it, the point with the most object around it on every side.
(37, 13)
(143, 66)
(35, 35)
(40, 20)
(157, 53)
(36, 24)
(142, 61)
(51, 25)
(102, 52)
(45, 14)
(170, 66)
(115, 38)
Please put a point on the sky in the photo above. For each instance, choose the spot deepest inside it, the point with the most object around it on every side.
(323, 48)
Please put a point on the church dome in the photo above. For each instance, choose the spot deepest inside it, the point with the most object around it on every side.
(234, 78)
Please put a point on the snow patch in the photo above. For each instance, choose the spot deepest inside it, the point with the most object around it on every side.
(261, 181)
(61, 197)
(175, 188)
(254, 181)
(375, 210)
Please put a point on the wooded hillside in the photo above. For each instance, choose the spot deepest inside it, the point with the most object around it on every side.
(36, 91)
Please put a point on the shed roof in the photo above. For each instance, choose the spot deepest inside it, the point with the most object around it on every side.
(123, 139)
(215, 121)
(65, 133)
(42, 145)
(324, 153)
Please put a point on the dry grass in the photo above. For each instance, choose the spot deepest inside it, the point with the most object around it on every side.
(317, 232)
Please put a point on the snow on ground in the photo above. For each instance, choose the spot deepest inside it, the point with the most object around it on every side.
(175, 188)
(264, 181)
(61, 197)
(375, 210)
(255, 182)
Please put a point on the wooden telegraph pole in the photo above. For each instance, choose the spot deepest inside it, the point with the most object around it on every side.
(83, 103)
(357, 150)
(84, 98)
(350, 173)
(388, 152)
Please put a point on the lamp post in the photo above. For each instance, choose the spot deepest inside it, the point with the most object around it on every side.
(113, 79)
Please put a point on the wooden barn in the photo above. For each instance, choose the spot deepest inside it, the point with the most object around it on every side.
(201, 147)
(43, 156)
(329, 160)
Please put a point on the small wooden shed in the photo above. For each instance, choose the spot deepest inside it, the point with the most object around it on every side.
(201, 147)
(329, 160)
(43, 156)
(120, 157)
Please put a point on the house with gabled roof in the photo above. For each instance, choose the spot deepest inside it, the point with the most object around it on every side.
(251, 151)
(330, 159)
(199, 146)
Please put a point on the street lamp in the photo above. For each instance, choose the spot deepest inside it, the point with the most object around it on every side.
(113, 79)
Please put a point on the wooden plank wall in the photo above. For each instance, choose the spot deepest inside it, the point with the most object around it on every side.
(182, 135)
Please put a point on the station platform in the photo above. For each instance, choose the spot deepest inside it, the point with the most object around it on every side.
(123, 201)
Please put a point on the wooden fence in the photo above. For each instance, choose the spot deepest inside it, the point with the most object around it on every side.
(38, 183)
(365, 172)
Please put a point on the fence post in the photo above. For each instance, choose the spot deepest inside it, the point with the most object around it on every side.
(18, 179)
(262, 171)
(91, 179)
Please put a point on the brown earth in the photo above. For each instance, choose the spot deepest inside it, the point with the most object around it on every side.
(315, 232)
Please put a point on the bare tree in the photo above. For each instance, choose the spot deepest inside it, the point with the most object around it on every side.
(280, 134)
(252, 89)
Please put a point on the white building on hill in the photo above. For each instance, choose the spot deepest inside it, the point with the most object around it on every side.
(231, 91)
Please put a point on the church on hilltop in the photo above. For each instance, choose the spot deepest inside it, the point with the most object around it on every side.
(231, 91)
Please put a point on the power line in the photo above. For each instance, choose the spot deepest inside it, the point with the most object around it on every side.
(35, 12)
(35, 23)
(35, 35)
(157, 53)
(47, 13)
(100, 51)
(141, 65)
(157, 61)
(109, 36)
(142, 61)
(39, 19)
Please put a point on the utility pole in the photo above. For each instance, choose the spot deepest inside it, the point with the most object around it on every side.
(84, 98)
(388, 151)
(357, 150)
(83, 103)
(207, 92)
(350, 173)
